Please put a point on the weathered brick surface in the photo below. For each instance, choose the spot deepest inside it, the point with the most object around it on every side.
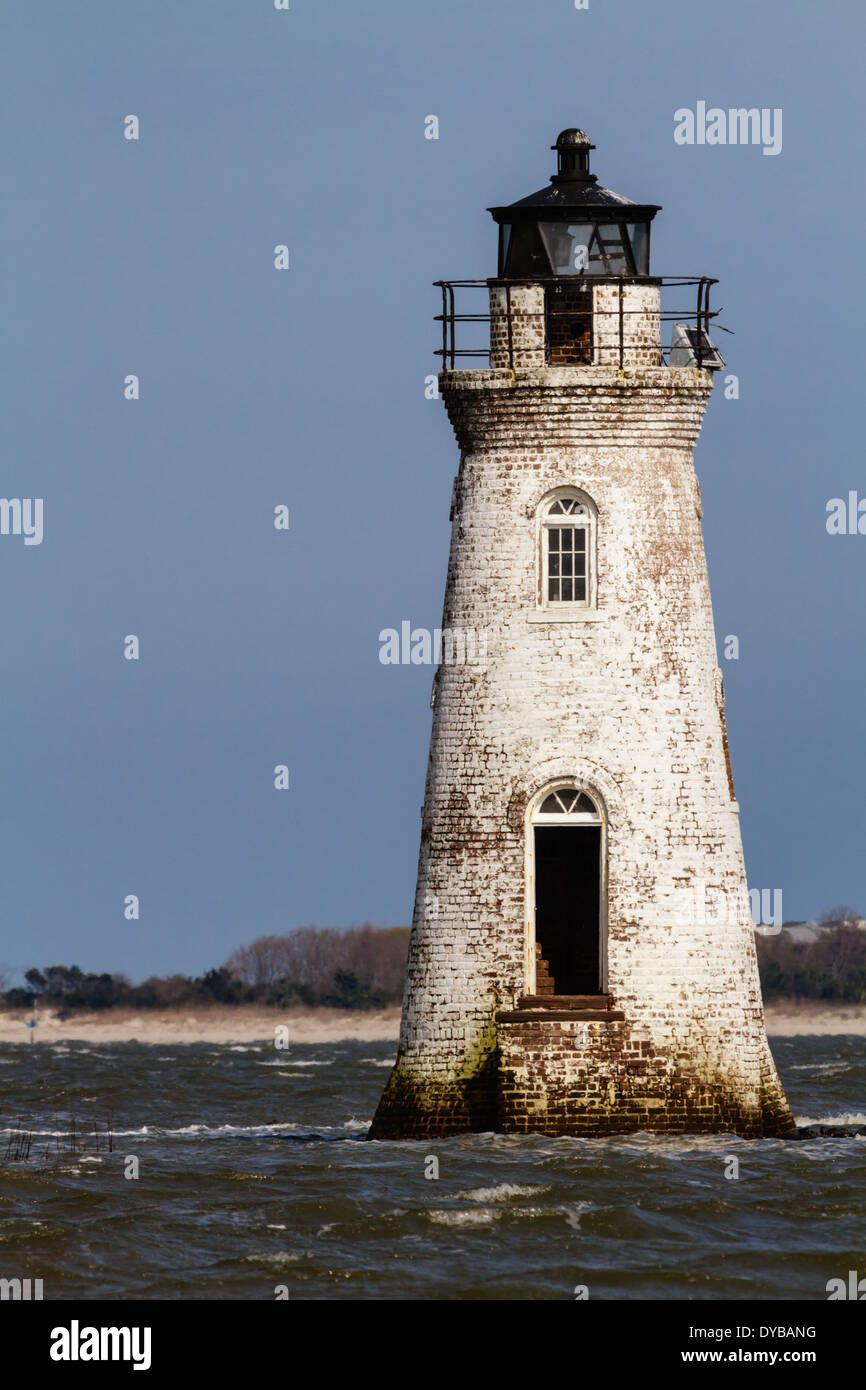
(562, 1077)
(629, 706)
(527, 325)
(640, 325)
(574, 322)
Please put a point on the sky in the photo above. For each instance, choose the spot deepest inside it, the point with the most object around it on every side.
(306, 388)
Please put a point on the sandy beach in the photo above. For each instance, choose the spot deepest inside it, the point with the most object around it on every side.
(817, 1020)
(217, 1024)
(220, 1024)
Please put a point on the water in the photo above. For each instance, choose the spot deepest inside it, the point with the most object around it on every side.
(254, 1174)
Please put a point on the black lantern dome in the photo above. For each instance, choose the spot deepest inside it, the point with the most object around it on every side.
(574, 226)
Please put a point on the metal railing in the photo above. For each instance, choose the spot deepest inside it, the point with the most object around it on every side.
(697, 318)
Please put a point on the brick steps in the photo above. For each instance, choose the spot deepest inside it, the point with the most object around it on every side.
(544, 982)
(549, 1015)
(602, 1002)
(562, 1008)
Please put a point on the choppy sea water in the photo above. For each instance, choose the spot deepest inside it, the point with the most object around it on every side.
(253, 1173)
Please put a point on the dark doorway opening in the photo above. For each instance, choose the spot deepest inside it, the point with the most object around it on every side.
(567, 905)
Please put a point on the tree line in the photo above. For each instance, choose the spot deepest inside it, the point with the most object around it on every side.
(359, 968)
(832, 967)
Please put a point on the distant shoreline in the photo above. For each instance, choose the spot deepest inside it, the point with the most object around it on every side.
(242, 1023)
(214, 1023)
(803, 1018)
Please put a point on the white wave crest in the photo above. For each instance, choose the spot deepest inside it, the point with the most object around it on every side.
(826, 1068)
(847, 1118)
(503, 1193)
(296, 1062)
(280, 1257)
(483, 1216)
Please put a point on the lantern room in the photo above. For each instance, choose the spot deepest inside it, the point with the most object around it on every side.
(573, 284)
(574, 226)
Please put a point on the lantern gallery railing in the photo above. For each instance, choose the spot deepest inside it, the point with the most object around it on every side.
(584, 320)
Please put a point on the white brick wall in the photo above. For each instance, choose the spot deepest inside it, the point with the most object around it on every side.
(628, 704)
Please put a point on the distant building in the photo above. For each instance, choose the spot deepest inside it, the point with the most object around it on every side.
(802, 931)
(813, 931)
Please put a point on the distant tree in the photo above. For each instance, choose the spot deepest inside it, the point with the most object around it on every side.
(261, 963)
(163, 991)
(348, 992)
(219, 986)
(841, 914)
(68, 987)
(95, 992)
(283, 994)
(310, 957)
(18, 998)
(840, 950)
(56, 982)
(832, 967)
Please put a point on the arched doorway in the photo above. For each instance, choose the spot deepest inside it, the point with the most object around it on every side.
(566, 869)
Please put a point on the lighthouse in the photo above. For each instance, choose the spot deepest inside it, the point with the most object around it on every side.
(582, 957)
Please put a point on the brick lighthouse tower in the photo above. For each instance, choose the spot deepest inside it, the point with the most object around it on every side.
(582, 957)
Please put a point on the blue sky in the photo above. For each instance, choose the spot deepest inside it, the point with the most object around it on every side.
(258, 647)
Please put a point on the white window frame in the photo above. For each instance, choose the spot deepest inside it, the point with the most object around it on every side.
(535, 817)
(581, 817)
(545, 522)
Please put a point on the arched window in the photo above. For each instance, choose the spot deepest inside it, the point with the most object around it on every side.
(567, 803)
(566, 551)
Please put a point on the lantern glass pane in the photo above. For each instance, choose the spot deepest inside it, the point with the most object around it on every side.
(607, 254)
(567, 246)
(526, 257)
(639, 236)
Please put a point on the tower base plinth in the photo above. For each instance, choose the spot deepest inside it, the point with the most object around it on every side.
(413, 1107)
(566, 1076)
(585, 1073)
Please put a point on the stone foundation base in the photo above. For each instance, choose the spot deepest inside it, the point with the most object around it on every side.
(559, 1076)
(415, 1108)
(562, 1075)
